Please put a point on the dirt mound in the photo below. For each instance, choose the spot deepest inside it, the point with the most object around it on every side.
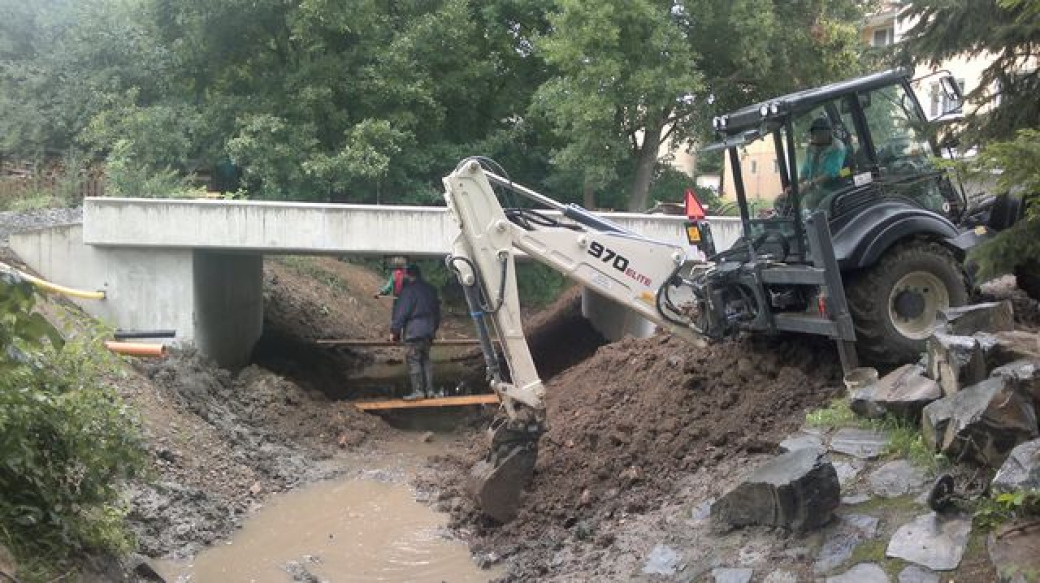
(627, 423)
(228, 440)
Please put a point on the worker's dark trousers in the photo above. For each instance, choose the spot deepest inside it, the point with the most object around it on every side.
(420, 369)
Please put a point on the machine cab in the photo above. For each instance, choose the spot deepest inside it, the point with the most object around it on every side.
(838, 149)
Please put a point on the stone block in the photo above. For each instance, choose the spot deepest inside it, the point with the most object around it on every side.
(797, 490)
(981, 423)
(967, 320)
(955, 361)
(860, 443)
(1024, 375)
(931, 541)
(1021, 470)
(904, 391)
(1003, 348)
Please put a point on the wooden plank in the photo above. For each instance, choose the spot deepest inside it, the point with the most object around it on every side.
(435, 402)
(377, 343)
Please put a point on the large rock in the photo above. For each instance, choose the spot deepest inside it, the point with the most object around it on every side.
(980, 423)
(955, 361)
(932, 541)
(896, 478)
(798, 490)
(864, 444)
(1003, 348)
(904, 391)
(1014, 549)
(1024, 375)
(967, 320)
(1021, 470)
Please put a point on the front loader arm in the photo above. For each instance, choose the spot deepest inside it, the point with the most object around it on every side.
(629, 269)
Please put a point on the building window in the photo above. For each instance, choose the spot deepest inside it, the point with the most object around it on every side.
(754, 166)
(882, 37)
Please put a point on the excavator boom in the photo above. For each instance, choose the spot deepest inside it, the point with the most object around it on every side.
(638, 273)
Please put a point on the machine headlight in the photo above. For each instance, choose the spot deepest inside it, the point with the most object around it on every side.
(774, 108)
(764, 110)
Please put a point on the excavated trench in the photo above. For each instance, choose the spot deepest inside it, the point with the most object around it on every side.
(271, 474)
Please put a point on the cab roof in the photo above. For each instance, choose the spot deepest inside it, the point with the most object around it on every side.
(750, 117)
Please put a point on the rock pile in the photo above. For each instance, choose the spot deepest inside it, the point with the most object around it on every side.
(976, 390)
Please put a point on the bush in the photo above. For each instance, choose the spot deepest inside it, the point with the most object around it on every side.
(66, 440)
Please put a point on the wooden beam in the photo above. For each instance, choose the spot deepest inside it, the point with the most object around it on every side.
(434, 402)
(378, 343)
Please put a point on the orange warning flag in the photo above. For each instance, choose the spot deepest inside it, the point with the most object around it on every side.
(694, 210)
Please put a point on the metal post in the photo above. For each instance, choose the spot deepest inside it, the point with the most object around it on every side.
(822, 248)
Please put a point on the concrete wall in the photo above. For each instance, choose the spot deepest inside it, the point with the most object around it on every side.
(614, 322)
(229, 305)
(145, 289)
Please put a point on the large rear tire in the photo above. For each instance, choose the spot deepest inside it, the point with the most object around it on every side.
(894, 304)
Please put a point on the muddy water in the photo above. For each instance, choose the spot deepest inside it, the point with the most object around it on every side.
(367, 528)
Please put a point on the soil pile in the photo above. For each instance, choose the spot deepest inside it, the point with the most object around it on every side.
(626, 424)
(223, 441)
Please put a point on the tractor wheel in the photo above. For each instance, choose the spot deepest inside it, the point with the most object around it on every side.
(1027, 275)
(894, 303)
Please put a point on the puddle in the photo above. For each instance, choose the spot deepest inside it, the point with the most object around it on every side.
(342, 530)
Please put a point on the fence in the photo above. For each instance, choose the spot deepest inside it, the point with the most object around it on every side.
(18, 183)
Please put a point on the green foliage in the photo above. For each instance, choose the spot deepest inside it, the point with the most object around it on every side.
(1000, 508)
(66, 439)
(1006, 31)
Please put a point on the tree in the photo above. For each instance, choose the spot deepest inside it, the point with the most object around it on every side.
(633, 80)
(63, 61)
(623, 72)
(1006, 30)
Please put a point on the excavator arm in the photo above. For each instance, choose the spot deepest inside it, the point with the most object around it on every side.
(641, 274)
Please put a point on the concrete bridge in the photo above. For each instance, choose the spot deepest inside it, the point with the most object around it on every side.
(195, 266)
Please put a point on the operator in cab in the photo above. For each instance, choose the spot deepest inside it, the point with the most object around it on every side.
(417, 316)
(822, 167)
(821, 171)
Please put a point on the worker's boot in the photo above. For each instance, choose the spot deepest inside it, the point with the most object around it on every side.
(418, 383)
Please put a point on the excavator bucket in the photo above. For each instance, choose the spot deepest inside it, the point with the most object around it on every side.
(496, 484)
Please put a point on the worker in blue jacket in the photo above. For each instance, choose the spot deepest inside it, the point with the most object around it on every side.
(417, 316)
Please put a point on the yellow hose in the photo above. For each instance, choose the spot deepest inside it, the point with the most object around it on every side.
(53, 287)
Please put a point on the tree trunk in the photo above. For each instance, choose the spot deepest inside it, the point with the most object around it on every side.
(588, 196)
(638, 199)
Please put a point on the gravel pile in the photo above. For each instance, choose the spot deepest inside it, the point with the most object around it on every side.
(18, 221)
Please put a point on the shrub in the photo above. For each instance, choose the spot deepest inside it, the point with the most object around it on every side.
(66, 440)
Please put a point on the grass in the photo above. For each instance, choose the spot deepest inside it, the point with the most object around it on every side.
(32, 200)
(837, 414)
(905, 440)
(308, 267)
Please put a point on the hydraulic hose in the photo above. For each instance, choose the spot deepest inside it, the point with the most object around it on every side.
(53, 287)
